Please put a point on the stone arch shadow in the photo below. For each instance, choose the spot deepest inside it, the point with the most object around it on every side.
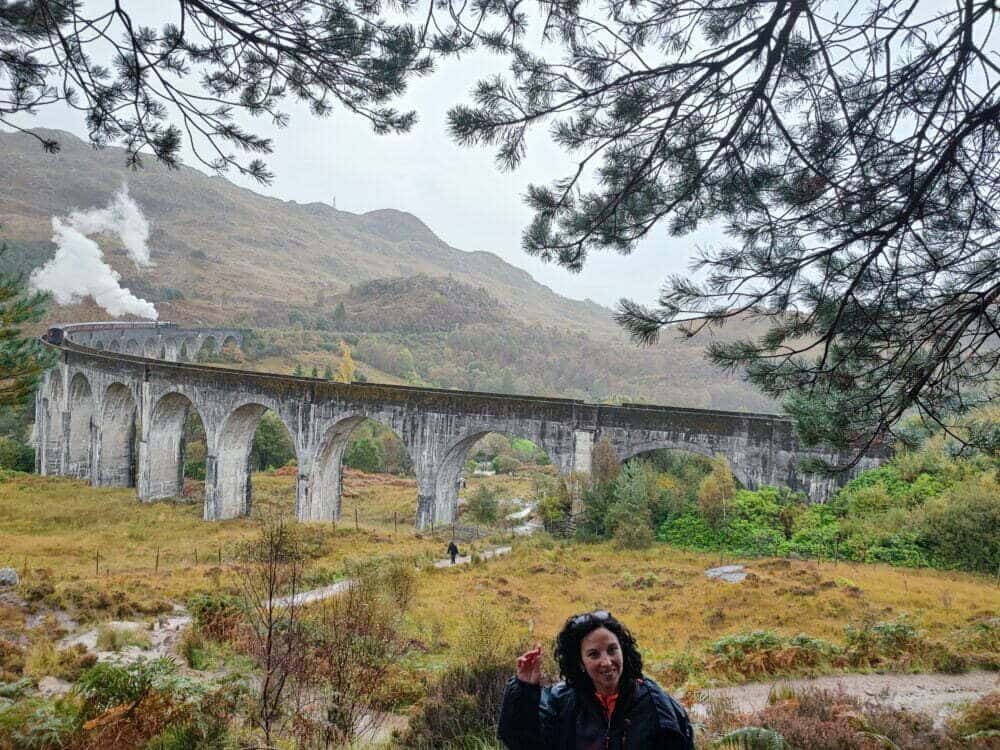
(116, 465)
(739, 471)
(51, 440)
(82, 408)
(323, 500)
(165, 445)
(229, 489)
(449, 473)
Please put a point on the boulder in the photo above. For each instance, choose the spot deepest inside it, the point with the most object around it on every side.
(727, 573)
(51, 687)
(8, 577)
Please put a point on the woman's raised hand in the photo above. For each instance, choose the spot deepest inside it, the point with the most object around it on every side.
(529, 666)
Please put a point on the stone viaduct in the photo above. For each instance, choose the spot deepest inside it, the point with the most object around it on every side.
(113, 412)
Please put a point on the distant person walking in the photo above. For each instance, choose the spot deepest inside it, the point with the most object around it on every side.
(604, 702)
(452, 551)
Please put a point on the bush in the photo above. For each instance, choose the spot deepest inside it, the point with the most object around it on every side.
(216, 616)
(873, 643)
(762, 652)
(633, 534)
(116, 639)
(483, 506)
(462, 706)
(962, 528)
(363, 455)
(44, 660)
(16, 456)
(108, 685)
(689, 530)
(979, 716)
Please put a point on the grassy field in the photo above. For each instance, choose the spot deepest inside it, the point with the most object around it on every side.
(674, 609)
(55, 529)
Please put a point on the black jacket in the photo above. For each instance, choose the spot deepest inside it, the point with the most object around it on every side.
(560, 718)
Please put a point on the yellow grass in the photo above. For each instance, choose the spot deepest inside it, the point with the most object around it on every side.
(61, 525)
(684, 610)
(69, 528)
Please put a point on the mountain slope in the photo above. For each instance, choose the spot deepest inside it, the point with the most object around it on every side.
(412, 306)
(260, 250)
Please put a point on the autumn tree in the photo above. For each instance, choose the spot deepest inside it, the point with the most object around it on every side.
(851, 154)
(269, 576)
(715, 492)
(345, 370)
(604, 462)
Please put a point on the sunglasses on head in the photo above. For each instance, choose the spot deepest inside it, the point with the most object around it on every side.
(597, 614)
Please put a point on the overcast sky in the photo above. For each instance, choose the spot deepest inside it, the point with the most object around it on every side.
(458, 192)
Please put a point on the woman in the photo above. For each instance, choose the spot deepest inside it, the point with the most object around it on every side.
(604, 702)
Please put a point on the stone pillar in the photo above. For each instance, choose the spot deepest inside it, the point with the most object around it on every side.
(142, 474)
(92, 453)
(583, 451)
(211, 487)
(427, 510)
(65, 418)
(303, 503)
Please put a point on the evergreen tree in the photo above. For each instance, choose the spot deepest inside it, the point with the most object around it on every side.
(339, 313)
(23, 358)
(851, 156)
(209, 62)
(363, 455)
(328, 373)
(629, 517)
(315, 372)
(298, 371)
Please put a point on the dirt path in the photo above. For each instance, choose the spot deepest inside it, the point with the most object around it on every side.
(935, 695)
(166, 632)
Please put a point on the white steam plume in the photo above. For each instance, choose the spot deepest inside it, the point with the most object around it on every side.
(78, 268)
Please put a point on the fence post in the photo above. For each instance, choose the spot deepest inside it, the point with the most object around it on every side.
(156, 565)
(97, 563)
(395, 522)
(356, 526)
(220, 554)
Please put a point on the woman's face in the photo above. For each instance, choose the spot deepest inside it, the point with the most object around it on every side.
(601, 654)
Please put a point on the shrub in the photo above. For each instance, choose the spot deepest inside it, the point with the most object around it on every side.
(217, 617)
(106, 685)
(633, 534)
(11, 660)
(461, 707)
(45, 660)
(979, 716)
(483, 505)
(689, 530)
(363, 455)
(117, 638)
(762, 652)
(875, 642)
(16, 456)
(962, 528)
(36, 724)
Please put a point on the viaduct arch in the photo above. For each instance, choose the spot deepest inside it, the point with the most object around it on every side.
(115, 417)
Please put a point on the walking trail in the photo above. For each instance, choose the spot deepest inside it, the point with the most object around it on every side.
(166, 632)
(935, 695)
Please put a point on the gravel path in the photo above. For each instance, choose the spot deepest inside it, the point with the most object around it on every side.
(936, 695)
(165, 634)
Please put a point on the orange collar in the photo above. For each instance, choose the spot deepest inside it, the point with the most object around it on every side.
(608, 702)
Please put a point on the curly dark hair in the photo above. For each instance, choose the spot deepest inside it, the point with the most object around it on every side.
(578, 627)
